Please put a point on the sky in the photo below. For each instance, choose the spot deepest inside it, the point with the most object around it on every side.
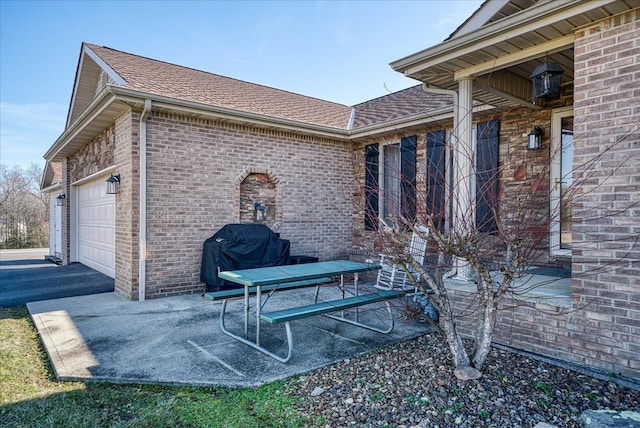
(334, 50)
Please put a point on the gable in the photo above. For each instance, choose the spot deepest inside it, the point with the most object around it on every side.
(51, 176)
(492, 11)
(501, 54)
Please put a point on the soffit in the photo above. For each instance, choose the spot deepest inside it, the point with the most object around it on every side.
(513, 45)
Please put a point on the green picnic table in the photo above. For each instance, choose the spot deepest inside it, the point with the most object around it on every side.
(300, 275)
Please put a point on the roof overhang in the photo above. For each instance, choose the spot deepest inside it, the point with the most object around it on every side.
(112, 101)
(500, 56)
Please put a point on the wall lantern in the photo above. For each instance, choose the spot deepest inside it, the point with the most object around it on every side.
(535, 138)
(60, 199)
(258, 212)
(546, 80)
(113, 184)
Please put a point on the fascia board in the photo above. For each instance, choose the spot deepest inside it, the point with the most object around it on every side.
(103, 65)
(97, 106)
(75, 86)
(84, 53)
(515, 25)
(480, 17)
(434, 116)
(52, 188)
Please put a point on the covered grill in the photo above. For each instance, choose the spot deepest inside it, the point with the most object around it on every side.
(240, 246)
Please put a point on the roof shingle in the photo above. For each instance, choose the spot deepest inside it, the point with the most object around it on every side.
(407, 102)
(174, 81)
(183, 83)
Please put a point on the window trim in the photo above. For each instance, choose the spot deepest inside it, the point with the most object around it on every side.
(555, 174)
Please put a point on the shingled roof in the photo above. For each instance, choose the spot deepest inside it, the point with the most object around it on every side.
(153, 77)
(174, 81)
(408, 102)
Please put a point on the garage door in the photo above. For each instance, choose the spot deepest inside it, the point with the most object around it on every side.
(97, 227)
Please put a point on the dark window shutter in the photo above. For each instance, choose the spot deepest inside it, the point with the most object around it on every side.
(436, 179)
(371, 189)
(487, 175)
(408, 146)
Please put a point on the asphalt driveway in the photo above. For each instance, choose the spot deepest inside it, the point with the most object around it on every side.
(25, 276)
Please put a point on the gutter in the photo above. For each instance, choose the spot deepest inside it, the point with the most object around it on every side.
(528, 20)
(142, 240)
(193, 107)
(439, 91)
(99, 104)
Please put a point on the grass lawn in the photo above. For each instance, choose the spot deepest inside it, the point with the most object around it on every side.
(31, 397)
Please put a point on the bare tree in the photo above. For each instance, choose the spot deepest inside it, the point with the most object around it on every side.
(481, 228)
(23, 208)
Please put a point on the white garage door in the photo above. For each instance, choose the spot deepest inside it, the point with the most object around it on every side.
(97, 227)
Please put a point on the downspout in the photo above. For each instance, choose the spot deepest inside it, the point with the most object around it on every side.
(454, 94)
(142, 240)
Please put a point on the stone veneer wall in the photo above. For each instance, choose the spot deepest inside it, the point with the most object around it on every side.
(195, 168)
(91, 158)
(518, 167)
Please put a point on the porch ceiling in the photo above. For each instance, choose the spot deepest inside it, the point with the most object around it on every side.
(501, 55)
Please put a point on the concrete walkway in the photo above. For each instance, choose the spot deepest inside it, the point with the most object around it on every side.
(177, 340)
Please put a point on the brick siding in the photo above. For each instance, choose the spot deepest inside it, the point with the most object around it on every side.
(194, 171)
(601, 328)
(606, 257)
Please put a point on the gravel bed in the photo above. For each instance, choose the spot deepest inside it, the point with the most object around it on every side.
(412, 385)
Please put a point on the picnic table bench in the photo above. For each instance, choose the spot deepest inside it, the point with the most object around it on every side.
(258, 280)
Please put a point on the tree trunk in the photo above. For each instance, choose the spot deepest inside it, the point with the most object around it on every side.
(484, 335)
(487, 322)
(456, 346)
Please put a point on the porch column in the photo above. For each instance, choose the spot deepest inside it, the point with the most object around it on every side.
(463, 157)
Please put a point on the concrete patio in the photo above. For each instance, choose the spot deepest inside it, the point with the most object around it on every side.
(177, 340)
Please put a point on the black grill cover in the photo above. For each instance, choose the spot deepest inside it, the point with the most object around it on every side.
(240, 246)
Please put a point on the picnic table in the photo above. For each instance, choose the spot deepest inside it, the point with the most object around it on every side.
(259, 280)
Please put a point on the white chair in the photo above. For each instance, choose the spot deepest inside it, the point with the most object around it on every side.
(395, 276)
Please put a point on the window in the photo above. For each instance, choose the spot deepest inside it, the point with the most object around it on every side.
(561, 179)
(390, 190)
(372, 159)
(435, 178)
(487, 175)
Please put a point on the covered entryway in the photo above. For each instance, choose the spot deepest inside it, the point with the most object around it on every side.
(96, 227)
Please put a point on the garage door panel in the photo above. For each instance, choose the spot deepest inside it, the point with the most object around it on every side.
(96, 227)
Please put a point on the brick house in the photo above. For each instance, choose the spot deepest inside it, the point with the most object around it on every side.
(194, 150)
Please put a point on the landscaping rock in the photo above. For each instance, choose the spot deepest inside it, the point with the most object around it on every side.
(412, 385)
(467, 373)
(609, 419)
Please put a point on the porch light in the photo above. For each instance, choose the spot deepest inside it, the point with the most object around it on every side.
(113, 184)
(535, 138)
(258, 212)
(60, 199)
(546, 80)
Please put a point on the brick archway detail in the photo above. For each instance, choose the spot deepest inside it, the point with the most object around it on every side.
(258, 185)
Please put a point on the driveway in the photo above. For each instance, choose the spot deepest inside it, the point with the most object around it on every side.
(25, 276)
